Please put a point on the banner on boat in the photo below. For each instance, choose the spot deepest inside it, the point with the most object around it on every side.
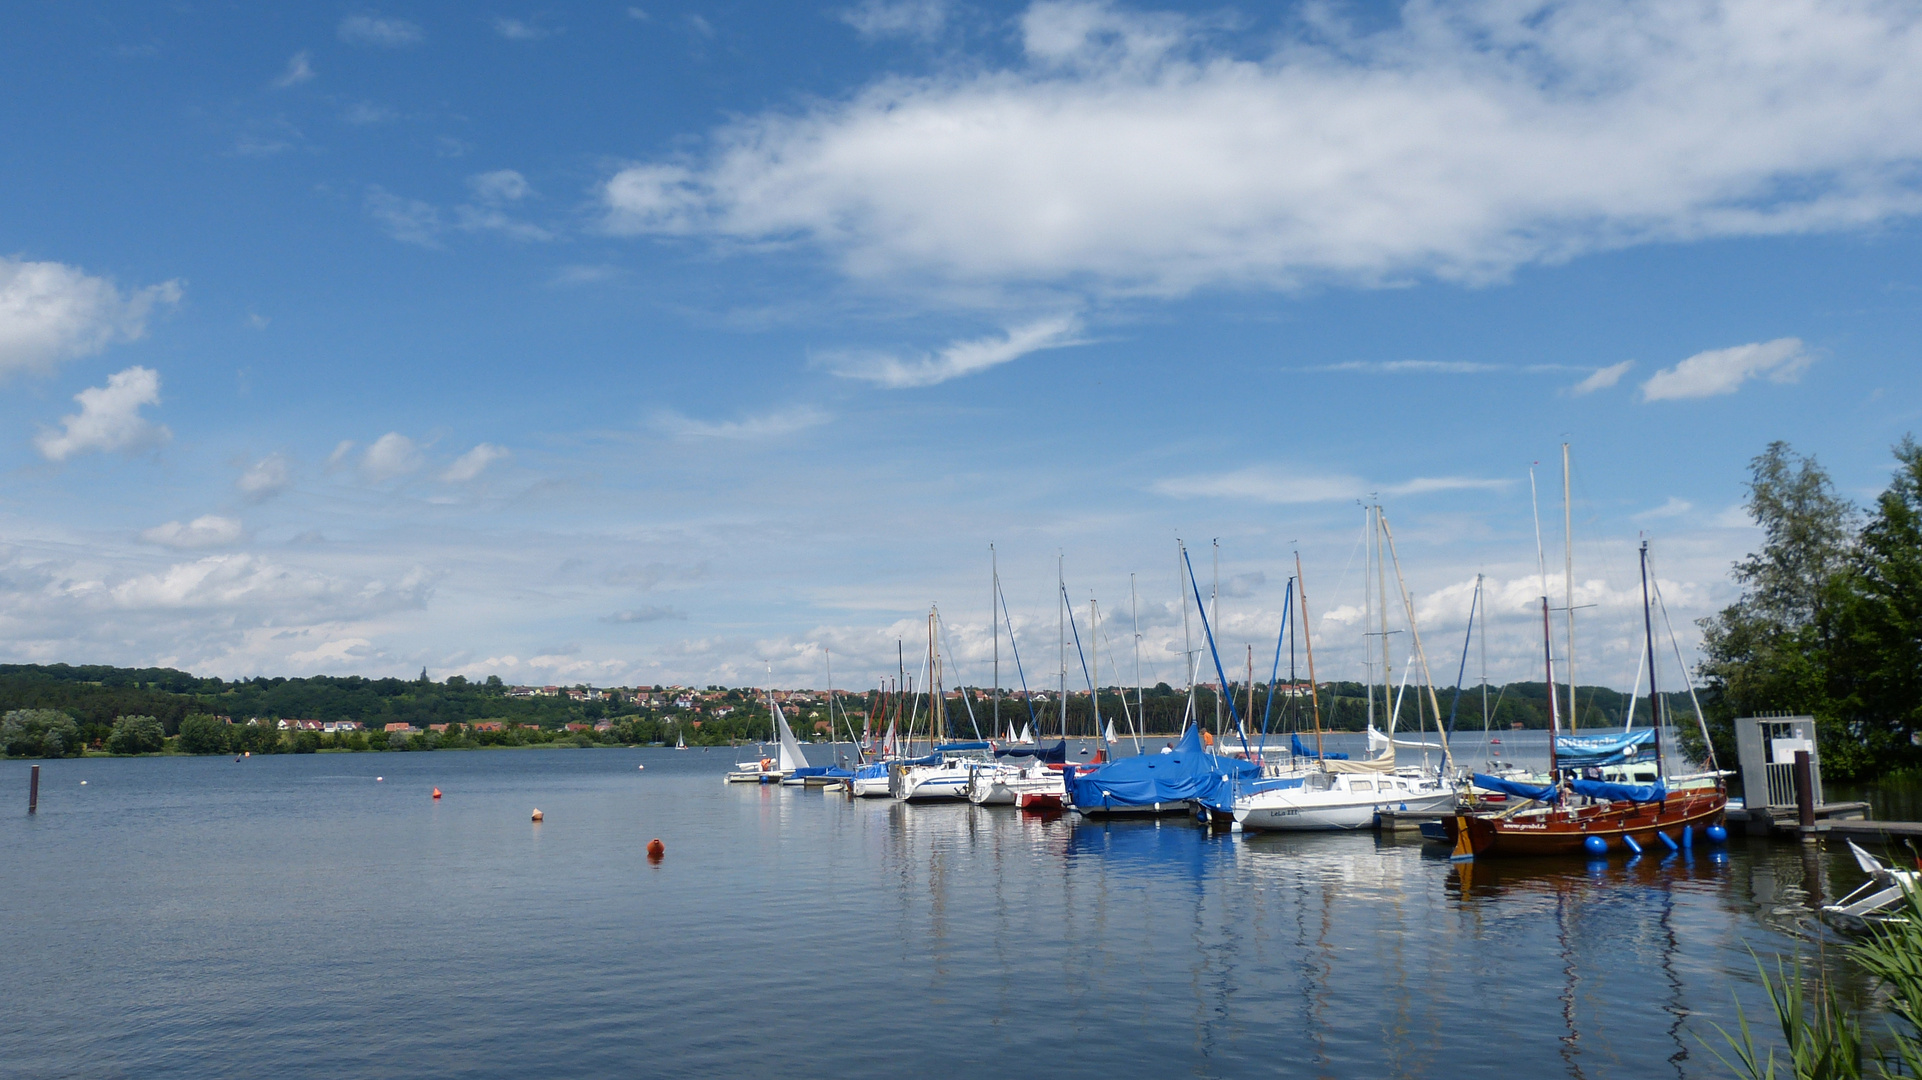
(1587, 751)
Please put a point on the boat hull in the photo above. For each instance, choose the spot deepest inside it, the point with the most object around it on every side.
(1307, 814)
(1560, 832)
(870, 787)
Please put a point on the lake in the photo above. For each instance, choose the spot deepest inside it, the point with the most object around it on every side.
(322, 916)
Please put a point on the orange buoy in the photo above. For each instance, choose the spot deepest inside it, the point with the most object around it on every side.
(436, 793)
(537, 815)
(656, 850)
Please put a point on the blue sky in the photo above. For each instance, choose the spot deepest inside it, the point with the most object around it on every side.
(654, 343)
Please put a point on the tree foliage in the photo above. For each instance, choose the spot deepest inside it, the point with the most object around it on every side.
(39, 733)
(137, 735)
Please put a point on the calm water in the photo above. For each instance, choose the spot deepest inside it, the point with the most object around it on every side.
(293, 917)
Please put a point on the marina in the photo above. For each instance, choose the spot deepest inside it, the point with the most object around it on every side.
(454, 937)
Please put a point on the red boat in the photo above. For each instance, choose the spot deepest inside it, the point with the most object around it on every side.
(1556, 830)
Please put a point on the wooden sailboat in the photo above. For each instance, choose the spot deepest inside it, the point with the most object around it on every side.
(1573, 816)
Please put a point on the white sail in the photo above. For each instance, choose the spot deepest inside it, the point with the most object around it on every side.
(1026, 735)
(887, 741)
(1108, 735)
(791, 756)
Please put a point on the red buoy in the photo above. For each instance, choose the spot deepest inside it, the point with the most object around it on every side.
(436, 793)
(656, 850)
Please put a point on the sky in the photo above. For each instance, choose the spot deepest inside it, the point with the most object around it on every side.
(713, 343)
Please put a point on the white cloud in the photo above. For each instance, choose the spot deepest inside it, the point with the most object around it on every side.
(500, 186)
(375, 30)
(407, 220)
(367, 114)
(230, 581)
(522, 29)
(748, 429)
(51, 312)
(922, 19)
(210, 530)
(392, 455)
(645, 615)
(954, 361)
(1602, 379)
(341, 449)
(1271, 485)
(299, 70)
(473, 463)
(1129, 152)
(1723, 371)
(265, 478)
(1674, 507)
(489, 219)
(109, 418)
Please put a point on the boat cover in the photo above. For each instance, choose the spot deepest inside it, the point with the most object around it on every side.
(873, 770)
(1587, 751)
(1057, 753)
(1544, 792)
(1601, 789)
(959, 746)
(1302, 750)
(1188, 773)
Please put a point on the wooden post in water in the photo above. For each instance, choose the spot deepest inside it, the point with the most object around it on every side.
(33, 791)
(1804, 790)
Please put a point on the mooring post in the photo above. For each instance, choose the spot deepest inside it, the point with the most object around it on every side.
(1804, 790)
(33, 790)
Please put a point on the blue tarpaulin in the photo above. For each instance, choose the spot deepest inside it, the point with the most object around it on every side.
(1303, 751)
(1598, 789)
(1545, 792)
(1590, 751)
(1057, 753)
(1189, 773)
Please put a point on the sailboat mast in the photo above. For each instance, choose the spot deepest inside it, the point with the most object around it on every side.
(937, 718)
(995, 622)
(1214, 618)
(1387, 666)
(1061, 635)
(1187, 636)
(1134, 613)
(1308, 643)
(1568, 588)
(1094, 656)
(1654, 696)
(1554, 721)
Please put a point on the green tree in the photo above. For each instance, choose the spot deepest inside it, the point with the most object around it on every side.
(137, 735)
(1767, 651)
(204, 734)
(1875, 619)
(40, 733)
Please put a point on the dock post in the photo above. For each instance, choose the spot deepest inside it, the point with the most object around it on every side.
(1804, 790)
(33, 791)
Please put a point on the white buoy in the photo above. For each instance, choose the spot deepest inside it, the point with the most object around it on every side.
(378, 779)
(637, 766)
(83, 783)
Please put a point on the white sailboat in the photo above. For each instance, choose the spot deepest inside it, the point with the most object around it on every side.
(947, 778)
(772, 770)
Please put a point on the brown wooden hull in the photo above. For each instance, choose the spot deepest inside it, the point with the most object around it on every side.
(1561, 832)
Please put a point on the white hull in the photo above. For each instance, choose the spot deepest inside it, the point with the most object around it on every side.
(870, 787)
(1337, 808)
(934, 785)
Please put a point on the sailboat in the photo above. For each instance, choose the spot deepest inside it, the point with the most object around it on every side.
(1032, 786)
(1335, 794)
(680, 740)
(1572, 816)
(943, 775)
(787, 761)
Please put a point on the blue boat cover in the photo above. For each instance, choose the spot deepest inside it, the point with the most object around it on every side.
(1587, 751)
(1057, 753)
(1601, 789)
(1186, 773)
(957, 746)
(873, 770)
(1303, 751)
(1546, 793)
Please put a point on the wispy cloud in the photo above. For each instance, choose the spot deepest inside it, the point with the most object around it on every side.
(298, 71)
(920, 19)
(376, 30)
(1674, 507)
(1268, 484)
(956, 360)
(50, 312)
(109, 418)
(410, 221)
(748, 429)
(474, 462)
(1723, 371)
(644, 615)
(1602, 379)
(523, 29)
(210, 530)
